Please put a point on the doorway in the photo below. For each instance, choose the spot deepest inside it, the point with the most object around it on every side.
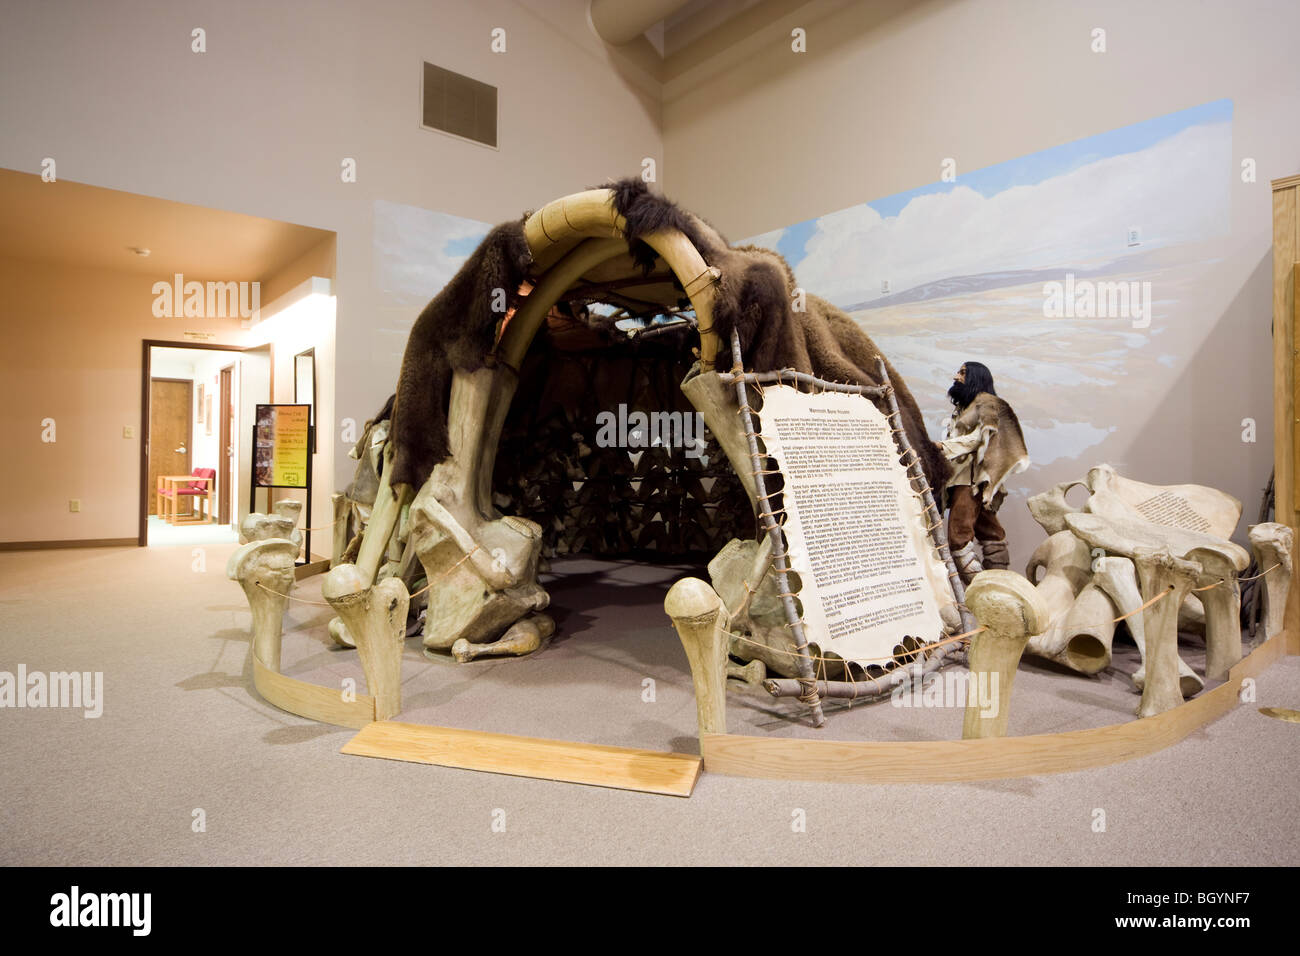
(190, 420)
(226, 452)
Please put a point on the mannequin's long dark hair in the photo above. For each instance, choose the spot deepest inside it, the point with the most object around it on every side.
(978, 379)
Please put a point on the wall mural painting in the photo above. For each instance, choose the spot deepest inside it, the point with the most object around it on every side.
(1077, 274)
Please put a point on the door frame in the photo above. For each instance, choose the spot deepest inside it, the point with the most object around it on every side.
(146, 366)
(225, 440)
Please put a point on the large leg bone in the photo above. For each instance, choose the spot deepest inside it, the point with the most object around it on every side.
(522, 637)
(1009, 609)
(1222, 603)
(264, 569)
(716, 402)
(1066, 564)
(1272, 543)
(1087, 630)
(262, 527)
(339, 540)
(376, 618)
(696, 611)
(1118, 578)
(290, 509)
(751, 675)
(383, 519)
(1159, 572)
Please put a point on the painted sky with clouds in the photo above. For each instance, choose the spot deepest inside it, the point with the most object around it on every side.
(1067, 205)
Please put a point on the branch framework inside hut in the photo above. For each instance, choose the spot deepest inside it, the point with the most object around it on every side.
(603, 450)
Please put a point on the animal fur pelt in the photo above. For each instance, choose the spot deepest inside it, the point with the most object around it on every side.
(1001, 452)
(756, 296)
(456, 330)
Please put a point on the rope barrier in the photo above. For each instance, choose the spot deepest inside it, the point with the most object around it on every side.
(414, 594)
(921, 649)
(341, 517)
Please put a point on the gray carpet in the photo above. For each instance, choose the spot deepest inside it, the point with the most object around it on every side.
(183, 729)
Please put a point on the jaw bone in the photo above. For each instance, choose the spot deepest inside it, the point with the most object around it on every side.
(481, 567)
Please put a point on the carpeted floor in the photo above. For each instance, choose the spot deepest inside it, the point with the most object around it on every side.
(164, 535)
(182, 731)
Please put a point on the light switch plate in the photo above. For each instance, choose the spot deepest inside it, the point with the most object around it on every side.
(128, 431)
(74, 504)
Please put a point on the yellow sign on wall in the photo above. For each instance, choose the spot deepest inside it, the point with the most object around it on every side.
(282, 456)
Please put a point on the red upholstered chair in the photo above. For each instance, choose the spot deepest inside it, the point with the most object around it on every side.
(198, 486)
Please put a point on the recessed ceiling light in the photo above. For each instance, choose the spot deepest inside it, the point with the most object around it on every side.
(138, 250)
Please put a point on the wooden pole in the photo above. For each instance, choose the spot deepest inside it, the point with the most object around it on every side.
(780, 566)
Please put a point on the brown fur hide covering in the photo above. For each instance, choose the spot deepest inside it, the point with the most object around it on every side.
(755, 297)
(456, 330)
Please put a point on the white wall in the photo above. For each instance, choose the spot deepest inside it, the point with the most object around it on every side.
(202, 367)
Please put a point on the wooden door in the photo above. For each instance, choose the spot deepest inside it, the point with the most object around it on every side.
(171, 415)
(225, 450)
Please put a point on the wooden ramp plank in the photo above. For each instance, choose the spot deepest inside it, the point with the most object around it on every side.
(596, 765)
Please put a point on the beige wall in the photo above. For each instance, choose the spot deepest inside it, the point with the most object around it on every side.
(73, 353)
(261, 122)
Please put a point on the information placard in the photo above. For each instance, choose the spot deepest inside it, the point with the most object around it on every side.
(281, 446)
(856, 531)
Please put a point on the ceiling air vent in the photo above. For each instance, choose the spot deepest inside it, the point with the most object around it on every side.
(455, 104)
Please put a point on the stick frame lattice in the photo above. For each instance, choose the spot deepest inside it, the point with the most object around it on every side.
(804, 687)
(780, 566)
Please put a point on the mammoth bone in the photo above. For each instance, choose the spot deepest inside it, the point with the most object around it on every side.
(1192, 521)
(1169, 562)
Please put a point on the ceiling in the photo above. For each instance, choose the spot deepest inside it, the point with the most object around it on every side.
(98, 228)
(697, 18)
